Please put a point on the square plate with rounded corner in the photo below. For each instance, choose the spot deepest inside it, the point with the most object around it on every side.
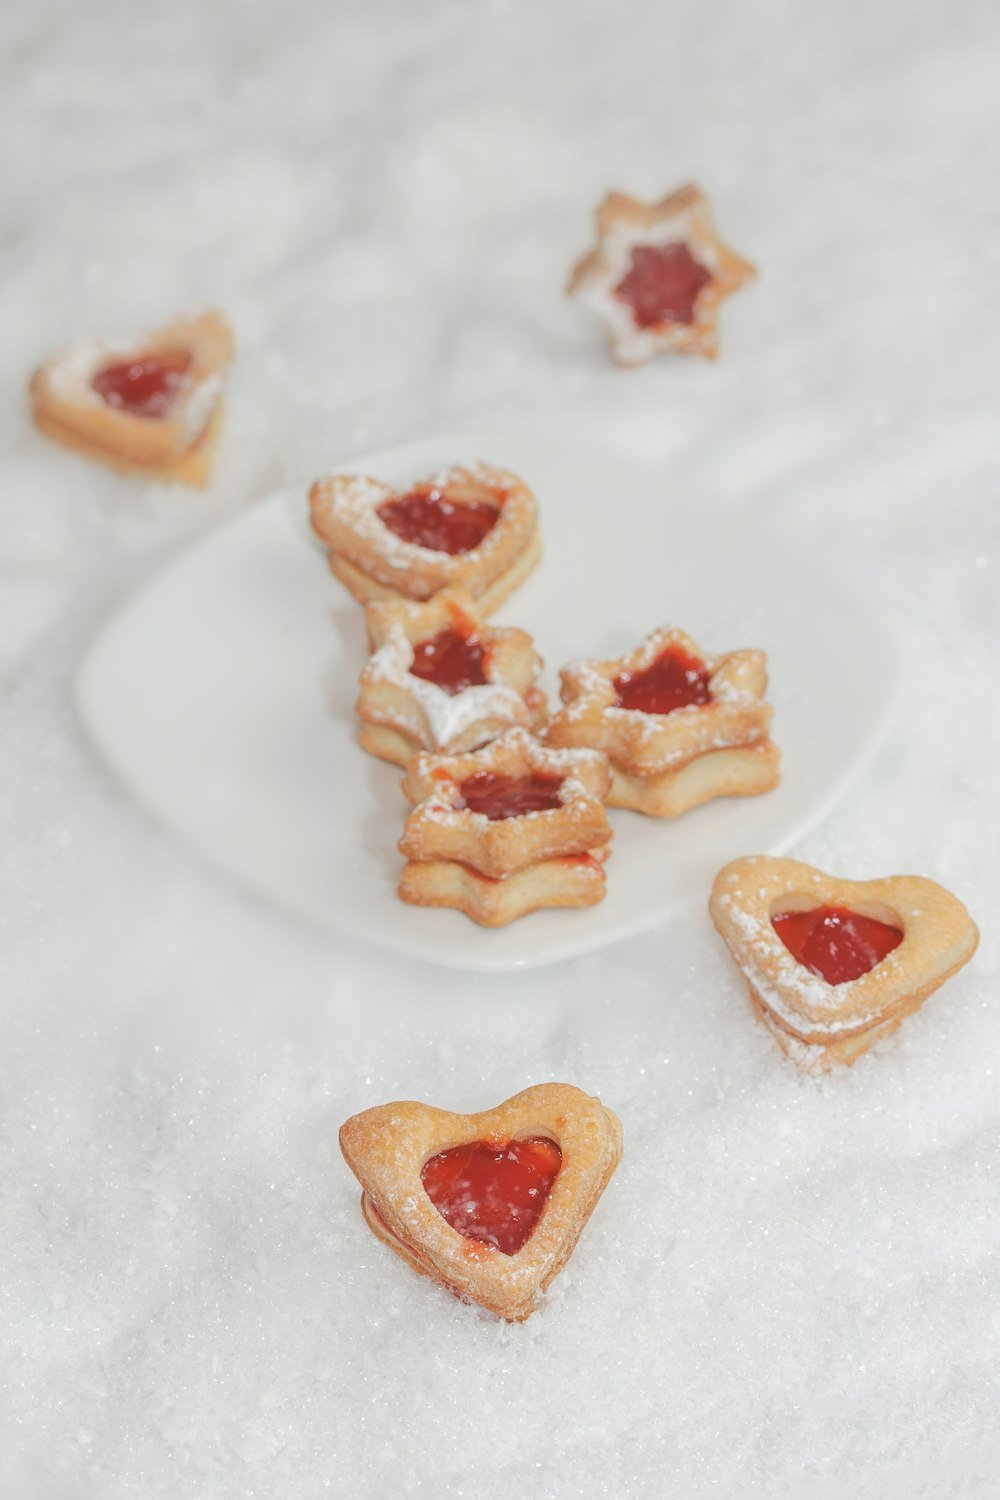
(223, 694)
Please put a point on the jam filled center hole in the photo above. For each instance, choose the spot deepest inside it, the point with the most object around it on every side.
(430, 517)
(491, 1192)
(662, 285)
(499, 796)
(836, 943)
(674, 680)
(145, 386)
(451, 659)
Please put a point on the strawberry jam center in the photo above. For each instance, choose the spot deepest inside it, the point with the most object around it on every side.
(834, 942)
(500, 796)
(146, 386)
(452, 660)
(662, 284)
(674, 680)
(427, 518)
(493, 1193)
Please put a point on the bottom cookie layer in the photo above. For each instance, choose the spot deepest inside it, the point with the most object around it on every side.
(366, 589)
(389, 744)
(572, 881)
(818, 1056)
(192, 467)
(389, 1145)
(737, 772)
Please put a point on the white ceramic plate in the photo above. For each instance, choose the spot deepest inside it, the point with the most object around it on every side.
(223, 695)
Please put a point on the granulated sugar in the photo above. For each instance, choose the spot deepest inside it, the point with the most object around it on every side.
(789, 1288)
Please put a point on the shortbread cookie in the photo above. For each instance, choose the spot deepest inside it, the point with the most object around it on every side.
(151, 407)
(834, 965)
(510, 807)
(572, 880)
(678, 726)
(489, 1205)
(472, 526)
(658, 275)
(441, 679)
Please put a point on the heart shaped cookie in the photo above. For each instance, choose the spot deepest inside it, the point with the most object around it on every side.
(834, 965)
(490, 1205)
(471, 526)
(150, 406)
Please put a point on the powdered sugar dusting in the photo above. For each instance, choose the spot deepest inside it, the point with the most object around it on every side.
(356, 499)
(632, 341)
(196, 405)
(677, 228)
(515, 752)
(788, 1291)
(69, 374)
(775, 973)
(735, 716)
(447, 716)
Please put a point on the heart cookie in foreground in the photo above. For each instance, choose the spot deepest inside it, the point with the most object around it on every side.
(490, 1205)
(151, 406)
(658, 275)
(835, 965)
(471, 526)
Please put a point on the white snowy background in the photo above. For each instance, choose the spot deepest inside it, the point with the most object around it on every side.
(790, 1288)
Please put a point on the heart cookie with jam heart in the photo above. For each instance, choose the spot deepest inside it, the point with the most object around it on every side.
(834, 965)
(151, 406)
(490, 1205)
(469, 526)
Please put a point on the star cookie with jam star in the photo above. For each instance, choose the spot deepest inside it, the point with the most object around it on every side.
(658, 275)
(678, 726)
(149, 406)
(506, 830)
(440, 678)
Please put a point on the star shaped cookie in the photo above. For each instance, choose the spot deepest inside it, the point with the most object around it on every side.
(678, 725)
(440, 678)
(658, 275)
(506, 830)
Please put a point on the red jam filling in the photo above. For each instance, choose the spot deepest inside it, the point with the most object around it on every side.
(674, 680)
(493, 1193)
(426, 517)
(452, 660)
(146, 386)
(500, 796)
(834, 942)
(662, 285)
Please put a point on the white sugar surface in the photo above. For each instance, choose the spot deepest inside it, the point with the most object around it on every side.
(790, 1287)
